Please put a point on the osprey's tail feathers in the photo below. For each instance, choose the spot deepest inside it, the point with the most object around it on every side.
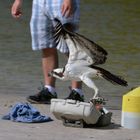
(114, 79)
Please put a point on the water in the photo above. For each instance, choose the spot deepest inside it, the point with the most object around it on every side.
(112, 24)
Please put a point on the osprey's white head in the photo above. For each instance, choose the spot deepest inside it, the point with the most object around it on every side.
(58, 73)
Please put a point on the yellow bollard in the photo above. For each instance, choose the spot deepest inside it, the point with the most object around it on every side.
(131, 109)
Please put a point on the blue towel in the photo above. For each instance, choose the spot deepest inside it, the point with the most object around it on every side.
(24, 112)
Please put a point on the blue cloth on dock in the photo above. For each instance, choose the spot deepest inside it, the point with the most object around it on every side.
(25, 112)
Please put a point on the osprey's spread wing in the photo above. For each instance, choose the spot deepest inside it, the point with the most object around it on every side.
(80, 48)
(84, 54)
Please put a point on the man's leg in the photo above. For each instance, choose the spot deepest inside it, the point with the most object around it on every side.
(75, 84)
(49, 62)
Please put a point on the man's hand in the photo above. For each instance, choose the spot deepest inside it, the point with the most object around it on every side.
(67, 8)
(16, 9)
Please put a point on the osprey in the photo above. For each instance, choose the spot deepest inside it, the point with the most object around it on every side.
(84, 55)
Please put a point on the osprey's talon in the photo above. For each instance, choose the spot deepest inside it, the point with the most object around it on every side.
(98, 100)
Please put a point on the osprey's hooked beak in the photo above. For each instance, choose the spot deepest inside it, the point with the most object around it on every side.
(50, 74)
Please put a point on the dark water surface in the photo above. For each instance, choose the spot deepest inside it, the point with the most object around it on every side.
(112, 24)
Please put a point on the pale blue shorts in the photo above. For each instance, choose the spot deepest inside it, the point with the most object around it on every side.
(41, 24)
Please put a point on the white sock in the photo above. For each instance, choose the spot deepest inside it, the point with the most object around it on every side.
(78, 90)
(51, 89)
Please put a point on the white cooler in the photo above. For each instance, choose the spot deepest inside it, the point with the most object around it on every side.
(78, 113)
